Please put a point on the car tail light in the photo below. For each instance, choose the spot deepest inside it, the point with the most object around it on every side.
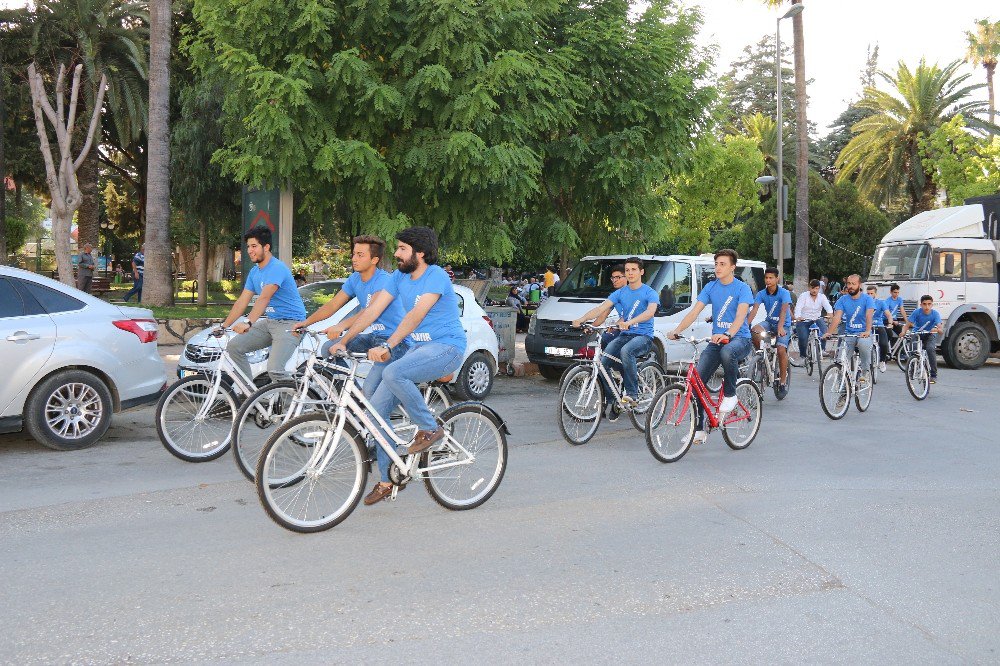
(488, 321)
(145, 329)
(585, 352)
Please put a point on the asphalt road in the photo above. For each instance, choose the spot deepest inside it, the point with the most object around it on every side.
(873, 539)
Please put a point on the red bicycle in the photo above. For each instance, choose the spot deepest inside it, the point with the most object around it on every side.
(673, 417)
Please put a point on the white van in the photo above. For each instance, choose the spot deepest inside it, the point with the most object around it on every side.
(553, 345)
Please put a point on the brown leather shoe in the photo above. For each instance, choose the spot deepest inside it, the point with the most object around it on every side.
(378, 493)
(425, 439)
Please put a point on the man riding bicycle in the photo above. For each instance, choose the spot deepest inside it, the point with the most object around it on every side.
(366, 281)
(879, 323)
(855, 309)
(809, 310)
(636, 304)
(435, 335)
(777, 302)
(897, 313)
(277, 308)
(927, 322)
(730, 300)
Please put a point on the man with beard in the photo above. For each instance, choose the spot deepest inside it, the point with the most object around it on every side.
(435, 335)
(366, 281)
(856, 309)
(277, 309)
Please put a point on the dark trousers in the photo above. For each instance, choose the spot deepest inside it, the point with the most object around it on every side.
(136, 289)
(883, 342)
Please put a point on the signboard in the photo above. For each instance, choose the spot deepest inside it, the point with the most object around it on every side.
(272, 209)
(788, 245)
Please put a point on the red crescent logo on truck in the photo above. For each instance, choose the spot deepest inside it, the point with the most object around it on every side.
(940, 294)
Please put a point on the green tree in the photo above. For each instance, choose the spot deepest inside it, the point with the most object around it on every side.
(749, 89)
(961, 164)
(830, 146)
(984, 49)
(717, 188)
(883, 156)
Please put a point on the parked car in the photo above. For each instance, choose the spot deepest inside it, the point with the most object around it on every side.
(474, 381)
(70, 360)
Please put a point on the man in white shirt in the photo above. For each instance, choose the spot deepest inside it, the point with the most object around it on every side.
(809, 310)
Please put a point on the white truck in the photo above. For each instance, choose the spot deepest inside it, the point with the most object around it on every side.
(553, 345)
(950, 254)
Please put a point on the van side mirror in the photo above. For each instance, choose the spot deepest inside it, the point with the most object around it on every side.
(949, 264)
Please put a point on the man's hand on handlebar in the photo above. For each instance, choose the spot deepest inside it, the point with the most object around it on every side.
(378, 354)
(720, 339)
(337, 349)
(334, 331)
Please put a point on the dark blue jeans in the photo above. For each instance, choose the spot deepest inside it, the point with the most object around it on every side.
(136, 289)
(628, 348)
(802, 333)
(729, 356)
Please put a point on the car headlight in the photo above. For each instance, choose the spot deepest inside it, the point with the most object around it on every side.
(258, 356)
(532, 324)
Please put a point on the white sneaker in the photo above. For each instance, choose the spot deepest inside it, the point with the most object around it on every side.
(700, 437)
(881, 366)
(728, 405)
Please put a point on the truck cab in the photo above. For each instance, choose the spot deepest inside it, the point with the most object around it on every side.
(553, 345)
(950, 254)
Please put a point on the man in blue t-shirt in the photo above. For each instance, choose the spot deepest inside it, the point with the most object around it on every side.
(433, 329)
(927, 322)
(897, 313)
(366, 281)
(277, 309)
(879, 324)
(730, 300)
(637, 304)
(777, 303)
(856, 310)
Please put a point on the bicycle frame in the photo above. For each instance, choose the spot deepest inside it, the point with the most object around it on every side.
(617, 387)
(842, 360)
(225, 367)
(695, 385)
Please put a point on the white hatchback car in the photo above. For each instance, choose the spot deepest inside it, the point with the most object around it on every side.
(70, 360)
(473, 382)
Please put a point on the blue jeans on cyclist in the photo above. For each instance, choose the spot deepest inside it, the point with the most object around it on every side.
(360, 344)
(397, 384)
(729, 357)
(628, 348)
(930, 342)
(772, 328)
(864, 347)
(802, 333)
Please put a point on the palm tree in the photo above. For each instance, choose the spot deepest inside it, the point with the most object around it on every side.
(158, 286)
(883, 156)
(984, 49)
(763, 131)
(801, 270)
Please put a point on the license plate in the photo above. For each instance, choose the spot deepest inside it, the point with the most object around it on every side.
(559, 351)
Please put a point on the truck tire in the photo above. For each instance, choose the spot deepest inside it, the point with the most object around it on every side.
(968, 346)
(68, 411)
(552, 372)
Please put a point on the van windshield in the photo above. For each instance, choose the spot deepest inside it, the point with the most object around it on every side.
(900, 262)
(591, 278)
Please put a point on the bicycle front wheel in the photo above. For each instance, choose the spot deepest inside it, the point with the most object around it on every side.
(651, 380)
(865, 389)
(465, 468)
(670, 424)
(918, 376)
(580, 405)
(263, 412)
(743, 423)
(298, 488)
(188, 426)
(834, 392)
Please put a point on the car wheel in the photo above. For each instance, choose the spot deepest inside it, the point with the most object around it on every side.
(70, 410)
(553, 372)
(475, 379)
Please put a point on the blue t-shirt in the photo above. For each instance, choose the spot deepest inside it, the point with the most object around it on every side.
(355, 287)
(895, 306)
(725, 299)
(772, 305)
(923, 323)
(878, 319)
(442, 322)
(855, 312)
(631, 303)
(286, 302)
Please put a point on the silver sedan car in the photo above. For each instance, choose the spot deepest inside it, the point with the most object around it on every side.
(69, 360)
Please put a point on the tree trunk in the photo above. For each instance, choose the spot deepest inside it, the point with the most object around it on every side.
(203, 263)
(88, 220)
(801, 272)
(3, 179)
(61, 223)
(990, 70)
(158, 287)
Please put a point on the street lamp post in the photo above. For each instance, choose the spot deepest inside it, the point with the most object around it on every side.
(794, 11)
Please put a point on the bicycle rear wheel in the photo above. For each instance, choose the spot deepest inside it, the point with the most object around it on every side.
(865, 389)
(651, 380)
(918, 380)
(902, 357)
(743, 423)
(474, 428)
(183, 432)
(296, 489)
(580, 408)
(834, 392)
(670, 424)
(755, 370)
